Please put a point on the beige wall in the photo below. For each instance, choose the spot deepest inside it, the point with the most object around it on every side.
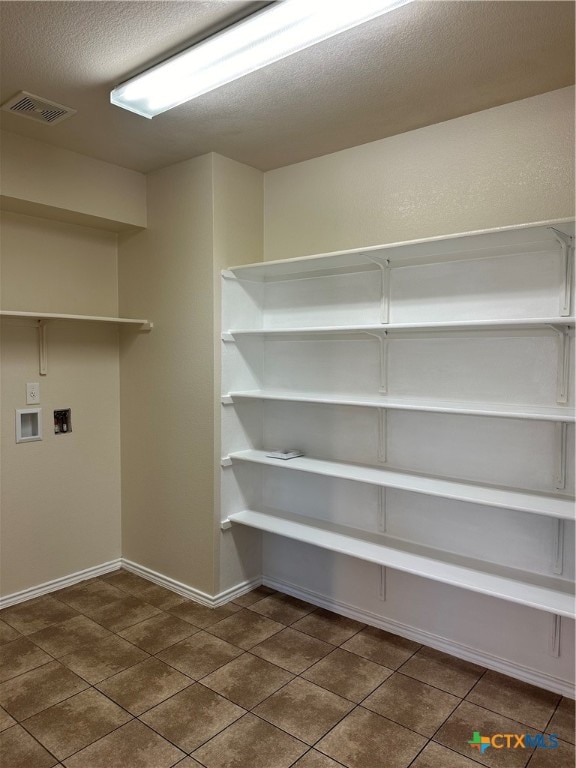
(508, 165)
(166, 389)
(60, 498)
(42, 180)
(202, 214)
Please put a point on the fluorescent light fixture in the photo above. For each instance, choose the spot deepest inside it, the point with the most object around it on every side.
(276, 32)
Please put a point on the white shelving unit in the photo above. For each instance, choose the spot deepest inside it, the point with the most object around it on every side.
(429, 385)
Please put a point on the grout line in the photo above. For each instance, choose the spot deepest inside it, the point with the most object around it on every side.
(501, 714)
(430, 685)
(85, 745)
(36, 740)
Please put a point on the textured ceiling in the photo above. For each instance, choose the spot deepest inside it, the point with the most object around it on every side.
(420, 64)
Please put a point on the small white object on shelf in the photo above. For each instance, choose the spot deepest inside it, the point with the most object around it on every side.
(291, 453)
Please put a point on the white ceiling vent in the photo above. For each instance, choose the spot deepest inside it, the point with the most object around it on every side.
(37, 108)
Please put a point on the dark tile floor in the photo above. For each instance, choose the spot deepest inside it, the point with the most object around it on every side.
(117, 672)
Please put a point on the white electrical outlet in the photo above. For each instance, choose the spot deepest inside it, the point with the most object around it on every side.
(32, 393)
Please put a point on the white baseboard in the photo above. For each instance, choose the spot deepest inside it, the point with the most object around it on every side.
(60, 583)
(212, 601)
(461, 651)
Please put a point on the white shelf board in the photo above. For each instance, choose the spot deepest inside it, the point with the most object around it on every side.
(541, 592)
(501, 410)
(465, 246)
(557, 506)
(146, 324)
(536, 323)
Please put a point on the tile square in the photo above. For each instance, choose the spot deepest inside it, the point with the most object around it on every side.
(33, 615)
(201, 615)
(247, 680)
(127, 581)
(192, 717)
(158, 633)
(514, 699)
(467, 718)
(249, 598)
(328, 626)
(75, 723)
(20, 656)
(134, 745)
(442, 671)
(292, 650)
(60, 639)
(19, 750)
(144, 685)
(366, 740)
(39, 689)
(104, 658)
(304, 710)
(89, 595)
(250, 743)
(282, 608)
(411, 703)
(160, 597)
(200, 654)
(313, 759)
(562, 722)
(7, 633)
(5, 720)
(122, 613)
(435, 756)
(563, 756)
(347, 675)
(245, 629)
(381, 647)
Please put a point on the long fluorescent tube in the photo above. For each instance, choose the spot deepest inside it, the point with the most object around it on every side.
(272, 34)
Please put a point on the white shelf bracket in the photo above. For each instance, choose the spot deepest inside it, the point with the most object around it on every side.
(383, 351)
(42, 348)
(226, 461)
(554, 639)
(382, 584)
(382, 435)
(227, 274)
(567, 246)
(225, 525)
(384, 288)
(558, 547)
(226, 400)
(563, 335)
(382, 518)
(225, 336)
(562, 443)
